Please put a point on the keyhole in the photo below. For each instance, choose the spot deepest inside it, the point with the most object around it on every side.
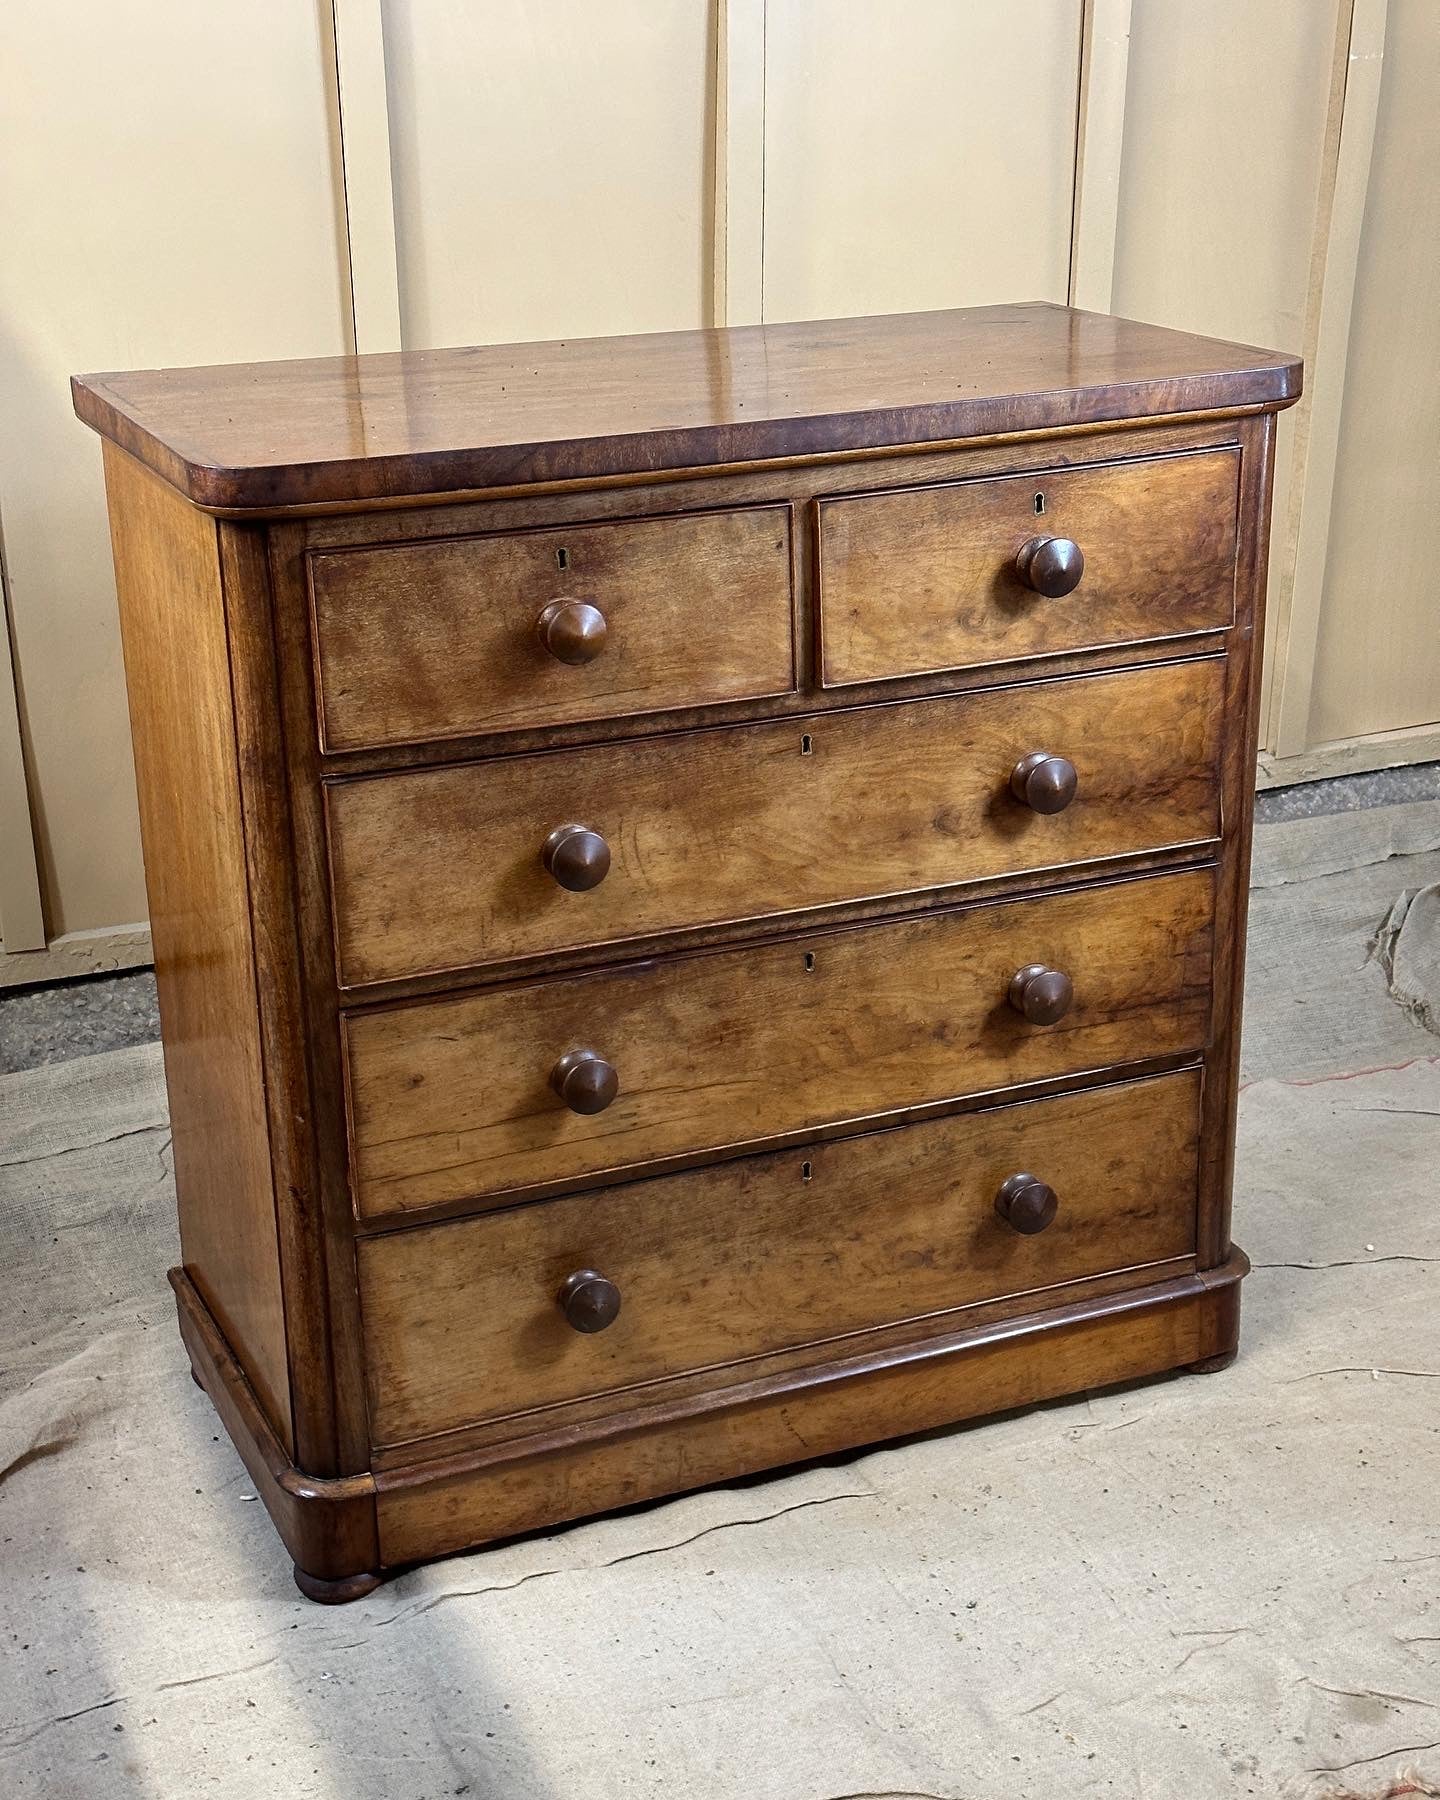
(805, 1171)
(562, 557)
(807, 744)
(809, 962)
(1039, 503)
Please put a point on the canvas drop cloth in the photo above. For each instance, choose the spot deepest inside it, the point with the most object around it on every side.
(1201, 1586)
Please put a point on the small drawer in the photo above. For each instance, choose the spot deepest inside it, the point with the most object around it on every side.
(415, 642)
(466, 1322)
(446, 869)
(470, 1099)
(921, 580)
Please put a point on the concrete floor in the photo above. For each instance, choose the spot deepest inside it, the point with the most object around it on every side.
(50, 1024)
(1349, 793)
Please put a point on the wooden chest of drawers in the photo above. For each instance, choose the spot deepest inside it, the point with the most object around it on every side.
(698, 892)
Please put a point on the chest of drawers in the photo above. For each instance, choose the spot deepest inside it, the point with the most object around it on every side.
(698, 889)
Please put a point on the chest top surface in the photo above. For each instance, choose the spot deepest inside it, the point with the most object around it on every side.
(353, 430)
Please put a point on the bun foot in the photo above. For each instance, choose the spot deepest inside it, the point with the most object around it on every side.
(1211, 1365)
(336, 1593)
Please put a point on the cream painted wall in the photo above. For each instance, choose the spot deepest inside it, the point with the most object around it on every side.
(895, 179)
(166, 196)
(551, 166)
(1224, 133)
(1378, 655)
(1224, 116)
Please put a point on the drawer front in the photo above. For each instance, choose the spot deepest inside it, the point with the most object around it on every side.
(926, 579)
(462, 1321)
(433, 640)
(452, 1100)
(441, 869)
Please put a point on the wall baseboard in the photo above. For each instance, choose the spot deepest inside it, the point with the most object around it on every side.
(1351, 756)
(103, 952)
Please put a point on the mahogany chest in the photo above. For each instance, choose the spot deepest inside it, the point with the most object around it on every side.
(698, 888)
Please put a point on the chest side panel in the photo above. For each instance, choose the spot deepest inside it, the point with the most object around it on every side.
(177, 671)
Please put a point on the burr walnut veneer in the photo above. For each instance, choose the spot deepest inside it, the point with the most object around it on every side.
(698, 889)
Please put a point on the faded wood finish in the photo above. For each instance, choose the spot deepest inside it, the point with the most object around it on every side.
(442, 870)
(345, 430)
(804, 1246)
(427, 641)
(926, 579)
(451, 1101)
(187, 768)
(718, 1066)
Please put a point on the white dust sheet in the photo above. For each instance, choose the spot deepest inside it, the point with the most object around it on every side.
(1198, 1586)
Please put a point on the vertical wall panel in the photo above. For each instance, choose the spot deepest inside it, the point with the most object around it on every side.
(918, 153)
(166, 197)
(22, 913)
(1378, 657)
(1225, 113)
(552, 166)
(1224, 137)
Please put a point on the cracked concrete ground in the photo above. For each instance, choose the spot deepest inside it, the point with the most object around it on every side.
(1201, 1586)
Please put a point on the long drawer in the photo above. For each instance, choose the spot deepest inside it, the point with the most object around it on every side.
(922, 579)
(466, 635)
(440, 870)
(464, 1321)
(461, 1100)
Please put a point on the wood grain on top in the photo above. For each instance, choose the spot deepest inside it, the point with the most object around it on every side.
(262, 437)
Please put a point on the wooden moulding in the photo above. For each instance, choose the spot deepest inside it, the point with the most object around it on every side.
(351, 1526)
(327, 1525)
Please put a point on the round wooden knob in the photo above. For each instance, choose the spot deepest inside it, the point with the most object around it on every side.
(573, 631)
(1051, 565)
(588, 1301)
(1044, 783)
(585, 1081)
(1026, 1203)
(577, 857)
(1042, 995)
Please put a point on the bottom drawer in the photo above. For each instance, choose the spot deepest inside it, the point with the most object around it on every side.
(463, 1321)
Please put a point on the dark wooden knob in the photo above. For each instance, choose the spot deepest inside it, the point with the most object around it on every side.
(588, 1301)
(1051, 565)
(577, 857)
(585, 1081)
(1044, 783)
(573, 631)
(1026, 1203)
(1042, 995)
